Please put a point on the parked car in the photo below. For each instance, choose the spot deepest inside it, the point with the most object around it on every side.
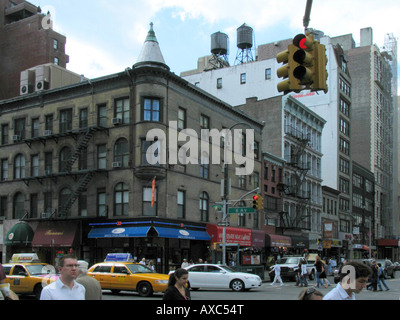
(216, 276)
(396, 266)
(128, 276)
(289, 268)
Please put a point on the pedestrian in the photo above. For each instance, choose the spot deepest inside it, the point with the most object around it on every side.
(310, 294)
(143, 261)
(277, 269)
(353, 278)
(177, 289)
(323, 275)
(200, 260)
(374, 277)
(185, 263)
(151, 265)
(318, 269)
(65, 287)
(303, 274)
(92, 286)
(381, 277)
(5, 292)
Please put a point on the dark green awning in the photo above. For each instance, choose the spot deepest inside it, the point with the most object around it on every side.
(20, 234)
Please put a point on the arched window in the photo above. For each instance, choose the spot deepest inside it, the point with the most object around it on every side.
(121, 199)
(204, 201)
(63, 202)
(19, 206)
(65, 155)
(19, 167)
(121, 152)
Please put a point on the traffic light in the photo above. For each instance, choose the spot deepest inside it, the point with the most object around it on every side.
(258, 202)
(303, 59)
(304, 66)
(289, 82)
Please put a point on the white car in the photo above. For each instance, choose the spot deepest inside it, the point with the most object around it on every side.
(215, 276)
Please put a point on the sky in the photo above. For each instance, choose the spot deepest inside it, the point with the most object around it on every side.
(106, 36)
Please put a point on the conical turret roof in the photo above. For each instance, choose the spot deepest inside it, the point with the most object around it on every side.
(151, 52)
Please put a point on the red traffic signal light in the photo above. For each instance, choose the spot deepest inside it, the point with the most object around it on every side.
(255, 197)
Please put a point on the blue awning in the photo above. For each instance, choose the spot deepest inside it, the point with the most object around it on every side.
(119, 232)
(182, 234)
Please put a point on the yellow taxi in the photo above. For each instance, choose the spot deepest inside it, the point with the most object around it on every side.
(128, 276)
(27, 275)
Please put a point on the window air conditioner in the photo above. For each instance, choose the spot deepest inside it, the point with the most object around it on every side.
(44, 215)
(116, 121)
(116, 164)
(47, 133)
(16, 137)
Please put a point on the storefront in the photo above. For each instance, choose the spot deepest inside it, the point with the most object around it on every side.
(53, 239)
(18, 240)
(388, 248)
(165, 242)
(277, 245)
(299, 246)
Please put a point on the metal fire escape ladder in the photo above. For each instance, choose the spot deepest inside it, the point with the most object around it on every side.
(82, 186)
(300, 169)
(82, 144)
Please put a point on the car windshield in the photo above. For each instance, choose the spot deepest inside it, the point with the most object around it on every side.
(289, 261)
(227, 269)
(39, 269)
(138, 268)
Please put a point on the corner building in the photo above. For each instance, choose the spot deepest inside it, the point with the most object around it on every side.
(81, 179)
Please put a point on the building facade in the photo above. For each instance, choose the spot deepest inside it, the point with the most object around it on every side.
(37, 43)
(83, 165)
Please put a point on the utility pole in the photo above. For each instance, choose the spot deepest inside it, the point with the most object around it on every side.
(306, 19)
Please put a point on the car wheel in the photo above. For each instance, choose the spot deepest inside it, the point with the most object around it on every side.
(237, 285)
(38, 290)
(145, 289)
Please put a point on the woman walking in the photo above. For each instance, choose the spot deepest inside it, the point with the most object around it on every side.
(177, 289)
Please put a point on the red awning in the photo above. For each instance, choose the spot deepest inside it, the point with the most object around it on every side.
(388, 243)
(233, 235)
(55, 234)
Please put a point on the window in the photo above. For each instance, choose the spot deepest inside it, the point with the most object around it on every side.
(19, 128)
(204, 200)
(122, 110)
(219, 83)
(344, 146)
(33, 206)
(242, 78)
(3, 206)
(101, 203)
(153, 153)
(344, 127)
(48, 163)
(4, 134)
(35, 166)
(151, 109)
(204, 122)
(64, 209)
(344, 107)
(19, 206)
(121, 152)
(102, 156)
(65, 155)
(242, 182)
(121, 200)
(56, 61)
(344, 166)
(256, 150)
(204, 166)
(65, 120)
(148, 210)
(35, 128)
(55, 44)
(48, 202)
(181, 119)
(83, 118)
(4, 169)
(343, 185)
(181, 203)
(268, 74)
(102, 115)
(48, 123)
(19, 167)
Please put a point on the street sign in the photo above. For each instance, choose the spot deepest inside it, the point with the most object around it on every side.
(238, 210)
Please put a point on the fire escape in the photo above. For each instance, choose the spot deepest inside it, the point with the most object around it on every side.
(293, 187)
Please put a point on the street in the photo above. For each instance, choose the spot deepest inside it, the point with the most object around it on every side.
(266, 292)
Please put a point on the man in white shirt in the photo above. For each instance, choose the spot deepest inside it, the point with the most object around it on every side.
(277, 269)
(353, 278)
(65, 288)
